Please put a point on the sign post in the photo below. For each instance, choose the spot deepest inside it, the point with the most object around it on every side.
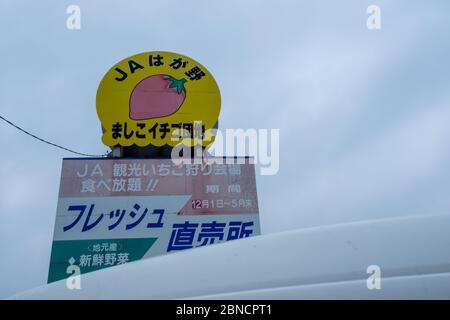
(115, 210)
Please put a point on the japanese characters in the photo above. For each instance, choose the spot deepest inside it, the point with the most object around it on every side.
(145, 98)
(114, 211)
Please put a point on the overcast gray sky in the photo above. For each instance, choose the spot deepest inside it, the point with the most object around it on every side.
(363, 115)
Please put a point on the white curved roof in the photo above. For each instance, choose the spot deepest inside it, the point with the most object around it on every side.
(326, 262)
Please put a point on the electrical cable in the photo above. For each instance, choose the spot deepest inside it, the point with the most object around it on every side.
(51, 143)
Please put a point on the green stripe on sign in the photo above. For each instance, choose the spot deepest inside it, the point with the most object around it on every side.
(92, 255)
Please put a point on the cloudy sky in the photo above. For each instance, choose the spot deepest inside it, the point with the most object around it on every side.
(363, 115)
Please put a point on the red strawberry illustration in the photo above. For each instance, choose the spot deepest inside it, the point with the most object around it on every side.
(157, 96)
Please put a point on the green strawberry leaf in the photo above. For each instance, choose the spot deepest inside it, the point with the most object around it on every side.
(177, 84)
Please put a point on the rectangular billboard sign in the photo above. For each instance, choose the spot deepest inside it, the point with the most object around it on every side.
(114, 210)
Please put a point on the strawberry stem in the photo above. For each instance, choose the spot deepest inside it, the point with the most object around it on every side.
(177, 84)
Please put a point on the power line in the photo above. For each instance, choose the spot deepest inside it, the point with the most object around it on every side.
(50, 143)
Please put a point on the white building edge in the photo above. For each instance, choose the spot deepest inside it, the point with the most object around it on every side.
(329, 262)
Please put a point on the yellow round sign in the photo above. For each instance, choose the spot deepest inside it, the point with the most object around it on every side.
(145, 98)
